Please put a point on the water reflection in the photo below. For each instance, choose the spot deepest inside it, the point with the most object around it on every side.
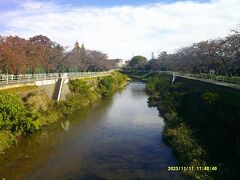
(117, 138)
(65, 126)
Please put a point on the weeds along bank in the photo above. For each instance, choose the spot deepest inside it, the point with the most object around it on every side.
(202, 124)
(22, 112)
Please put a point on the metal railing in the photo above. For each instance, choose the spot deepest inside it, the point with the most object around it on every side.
(203, 76)
(31, 78)
(212, 77)
(88, 74)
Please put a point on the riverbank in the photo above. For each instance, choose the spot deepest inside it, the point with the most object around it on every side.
(201, 124)
(113, 138)
(24, 112)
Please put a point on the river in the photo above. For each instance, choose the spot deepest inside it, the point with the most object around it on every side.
(115, 138)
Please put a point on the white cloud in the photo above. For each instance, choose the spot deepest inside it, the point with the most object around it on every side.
(125, 30)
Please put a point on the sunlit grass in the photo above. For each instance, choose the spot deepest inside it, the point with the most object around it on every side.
(21, 89)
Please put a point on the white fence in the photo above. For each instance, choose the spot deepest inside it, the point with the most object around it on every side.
(31, 78)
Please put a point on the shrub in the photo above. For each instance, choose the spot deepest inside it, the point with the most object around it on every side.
(7, 139)
(105, 85)
(108, 84)
(187, 149)
(150, 86)
(210, 98)
(167, 97)
(119, 79)
(79, 86)
(14, 116)
(37, 102)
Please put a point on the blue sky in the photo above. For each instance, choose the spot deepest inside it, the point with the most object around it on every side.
(6, 5)
(107, 3)
(121, 28)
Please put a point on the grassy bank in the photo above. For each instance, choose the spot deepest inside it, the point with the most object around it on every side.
(201, 124)
(26, 111)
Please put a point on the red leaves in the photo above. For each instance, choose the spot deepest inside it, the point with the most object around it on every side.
(18, 55)
(13, 56)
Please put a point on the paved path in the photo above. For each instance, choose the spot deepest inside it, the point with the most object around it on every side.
(235, 86)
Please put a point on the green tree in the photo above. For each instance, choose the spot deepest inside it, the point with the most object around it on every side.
(138, 62)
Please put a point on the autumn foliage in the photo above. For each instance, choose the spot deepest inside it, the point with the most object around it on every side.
(39, 54)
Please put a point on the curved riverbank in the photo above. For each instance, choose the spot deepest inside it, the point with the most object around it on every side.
(24, 113)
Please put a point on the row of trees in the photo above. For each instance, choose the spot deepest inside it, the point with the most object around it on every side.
(219, 56)
(40, 54)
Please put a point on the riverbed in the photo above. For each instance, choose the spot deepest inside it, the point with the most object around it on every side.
(119, 137)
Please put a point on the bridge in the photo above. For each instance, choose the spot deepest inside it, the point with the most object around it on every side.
(52, 83)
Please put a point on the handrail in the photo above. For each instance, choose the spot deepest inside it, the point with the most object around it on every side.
(31, 78)
(212, 77)
(216, 78)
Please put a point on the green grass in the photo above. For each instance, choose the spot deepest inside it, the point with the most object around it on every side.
(21, 89)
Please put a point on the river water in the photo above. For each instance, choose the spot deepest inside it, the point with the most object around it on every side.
(116, 138)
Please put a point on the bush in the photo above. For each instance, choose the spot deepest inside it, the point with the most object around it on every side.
(105, 85)
(71, 103)
(14, 116)
(184, 143)
(119, 79)
(7, 139)
(37, 102)
(108, 84)
(210, 98)
(167, 97)
(151, 85)
(83, 92)
(79, 86)
(186, 148)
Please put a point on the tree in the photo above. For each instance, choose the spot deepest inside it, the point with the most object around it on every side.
(221, 56)
(18, 55)
(43, 51)
(77, 58)
(96, 60)
(13, 55)
(138, 62)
